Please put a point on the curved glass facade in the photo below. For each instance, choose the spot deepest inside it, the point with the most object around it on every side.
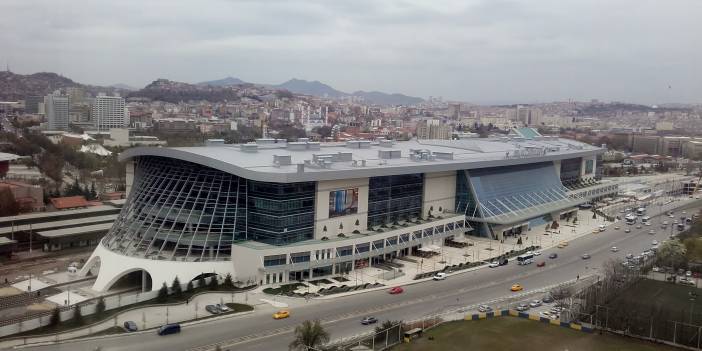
(179, 210)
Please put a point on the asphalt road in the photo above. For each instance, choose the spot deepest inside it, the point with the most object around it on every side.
(258, 331)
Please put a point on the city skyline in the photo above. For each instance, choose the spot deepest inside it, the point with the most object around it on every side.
(480, 52)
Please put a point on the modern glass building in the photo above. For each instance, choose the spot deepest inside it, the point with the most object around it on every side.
(271, 211)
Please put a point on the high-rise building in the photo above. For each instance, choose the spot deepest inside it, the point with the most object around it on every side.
(433, 129)
(57, 108)
(31, 104)
(109, 112)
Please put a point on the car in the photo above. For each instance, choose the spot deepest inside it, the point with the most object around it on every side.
(652, 232)
(688, 274)
(541, 264)
(130, 326)
(547, 299)
(396, 290)
(545, 314)
(654, 242)
(281, 314)
(602, 228)
(629, 256)
(223, 308)
(439, 276)
(585, 256)
(648, 224)
(516, 287)
(616, 227)
(522, 307)
(535, 303)
(369, 320)
(638, 226)
(169, 329)
(537, 253)
(595, 231)
(484, 308)
(656, 269)
(627, 230)
(671, 216)
(494, 264)
(614, 249)
(212, 309)
(553, 255)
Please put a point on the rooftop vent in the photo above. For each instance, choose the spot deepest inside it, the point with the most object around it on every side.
(282, 160)
(358, 144)
(443, 155)
(385, 143)
(266, 141)
(249, 147)
(421, 155)
(303, 145)
(214, 142)
(389, 154)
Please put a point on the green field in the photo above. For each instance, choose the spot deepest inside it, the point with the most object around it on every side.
(675, 298)
(511, 333)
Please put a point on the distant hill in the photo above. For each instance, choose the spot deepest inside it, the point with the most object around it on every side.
(380, 98)
(316, 88)
(123, 87)
(18, 86)
(223, 82)
(171, 91)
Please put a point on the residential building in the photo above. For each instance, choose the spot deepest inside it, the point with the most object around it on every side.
(57, 109)
(109, 112)
(433, 129)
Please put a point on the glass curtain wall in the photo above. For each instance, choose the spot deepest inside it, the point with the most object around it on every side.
(394, 198)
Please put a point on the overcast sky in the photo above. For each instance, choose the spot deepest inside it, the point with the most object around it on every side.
(481, 51)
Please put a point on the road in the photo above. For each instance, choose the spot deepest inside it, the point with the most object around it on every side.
(258, 331)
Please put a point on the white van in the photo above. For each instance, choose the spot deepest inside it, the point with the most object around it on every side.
(439, 276)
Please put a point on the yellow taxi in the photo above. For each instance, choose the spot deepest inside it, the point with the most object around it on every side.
(281, 314)
(562, 244)
(517, 287)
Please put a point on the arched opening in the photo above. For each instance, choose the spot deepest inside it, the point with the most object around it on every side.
(137, 279)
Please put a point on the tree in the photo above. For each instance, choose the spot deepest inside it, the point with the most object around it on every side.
(228, 282)
(100, 306)
(176, 289)
(190, 287)
(55, 317)
(386, 325)
(8, 204)
(162, 293)
(201, 281)
(214, 283)
(309, 334)
(671, 254)
(77, 315)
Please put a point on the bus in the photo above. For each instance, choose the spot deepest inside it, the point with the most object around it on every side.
(630, 219)
(640, 211)
(525, 259)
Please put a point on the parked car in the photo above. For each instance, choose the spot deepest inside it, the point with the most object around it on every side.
(627, 230)
(654, 242)
(616, 227)
(494, 264)
(522, 307)
(553, 255)
(656, 269)
(614, 249)
(169, 329)
(652, 232)
(369, 320)
(638, 226)
(535, 303)
(585, 256)
(281, 314)
(396, 290)
(223, 308)
(547, 299)
(212, 309)
(439, 276)
(484, 308)
(130, 326)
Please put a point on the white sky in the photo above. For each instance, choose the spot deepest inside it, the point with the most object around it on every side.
(482, 51)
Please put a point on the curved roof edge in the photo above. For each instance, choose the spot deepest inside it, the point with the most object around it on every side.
(335, 174)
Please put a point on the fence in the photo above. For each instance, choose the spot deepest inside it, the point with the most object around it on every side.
(36, 320)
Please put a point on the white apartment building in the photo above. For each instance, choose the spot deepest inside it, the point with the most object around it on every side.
(109, 112)
(57, 108)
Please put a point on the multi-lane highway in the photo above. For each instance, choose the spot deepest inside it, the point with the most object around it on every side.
(258, 331)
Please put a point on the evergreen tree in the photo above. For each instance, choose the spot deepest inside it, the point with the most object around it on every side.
(190, 286)
(201, 281)
(176, 288)
(100, 306)
(162, 293)
(214, 283)
(228, 282)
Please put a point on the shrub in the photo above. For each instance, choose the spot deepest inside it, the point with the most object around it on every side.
(228, 282)
(162, 293)
(214, 283)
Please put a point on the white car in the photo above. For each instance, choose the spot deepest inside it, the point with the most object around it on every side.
(688, 274)
(494, 264)
(656, 269)
(602, 228)
(439, 276)
(654, 242)
(614, 249)
(535, 303)
(537, 253)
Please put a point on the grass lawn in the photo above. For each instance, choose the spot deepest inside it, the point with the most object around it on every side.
(511, 333)
(675, 297)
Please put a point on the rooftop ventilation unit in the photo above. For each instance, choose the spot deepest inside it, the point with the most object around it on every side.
(282, 160)
(267, 141)
(214, 142)
(443, 155)
(249, 147)
(421, 155)
(358, 144)
(302, 145)
(389, 154)
(385, 143)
